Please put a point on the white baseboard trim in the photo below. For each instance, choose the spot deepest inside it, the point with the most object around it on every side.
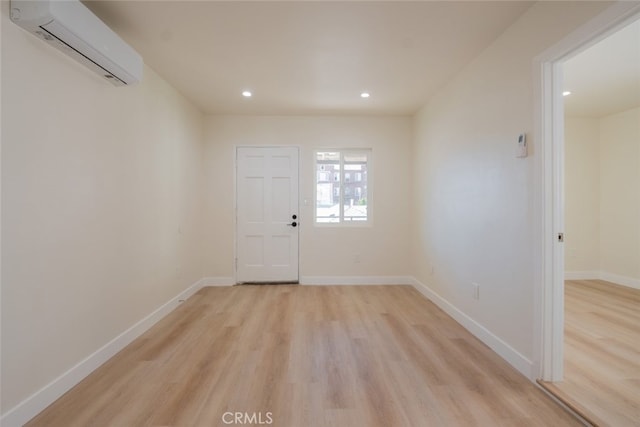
(356, 280)
(504, 350)
(34, 404)
(620, 280)
(217, 281)
(581, 275)
(603, 275)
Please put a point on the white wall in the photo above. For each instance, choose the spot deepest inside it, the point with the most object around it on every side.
(582, 195)
(473, 200)
(101, 186)
(101, 215)
(324, 251)
(620, 197)
(602, 185)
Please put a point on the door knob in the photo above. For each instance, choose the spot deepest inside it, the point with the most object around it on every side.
(293, 224)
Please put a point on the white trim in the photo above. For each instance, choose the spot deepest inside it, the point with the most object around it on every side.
(495, 343)
(217, 281)
(235, 212)
(34, 404)
(356, 280)
(549, 254)
(582, 275)
(629, 282)
(620, 280)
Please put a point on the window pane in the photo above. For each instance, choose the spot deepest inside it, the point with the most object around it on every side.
(328, 155)
(355, 191)
(355, 157)
(341, 186)
(328, 187)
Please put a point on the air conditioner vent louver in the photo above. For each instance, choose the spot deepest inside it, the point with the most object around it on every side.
(72, 28)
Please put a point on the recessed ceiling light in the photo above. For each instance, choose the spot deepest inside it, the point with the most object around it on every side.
(365, 95)
(566, 93)
(247, 94)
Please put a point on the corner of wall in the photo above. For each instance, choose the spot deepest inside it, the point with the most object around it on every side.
(34, 404)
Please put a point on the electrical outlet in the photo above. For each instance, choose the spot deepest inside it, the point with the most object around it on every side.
(356, 258)
(432, 270)
(476, 290)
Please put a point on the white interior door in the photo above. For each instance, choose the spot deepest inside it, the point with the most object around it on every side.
(267, 214)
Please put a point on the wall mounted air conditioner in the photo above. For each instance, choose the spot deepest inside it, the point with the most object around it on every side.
(71, 27)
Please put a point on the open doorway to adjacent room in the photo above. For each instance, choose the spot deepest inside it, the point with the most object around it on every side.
(601, 345)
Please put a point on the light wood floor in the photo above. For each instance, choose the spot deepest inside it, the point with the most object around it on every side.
(311, 356)
(602, 353)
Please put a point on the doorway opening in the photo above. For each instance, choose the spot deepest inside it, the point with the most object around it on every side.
(558, 243)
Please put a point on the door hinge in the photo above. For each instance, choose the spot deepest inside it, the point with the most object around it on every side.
(560, 237)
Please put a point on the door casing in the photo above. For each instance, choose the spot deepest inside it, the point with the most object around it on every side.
(549, 183)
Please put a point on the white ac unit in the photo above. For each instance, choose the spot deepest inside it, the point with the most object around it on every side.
(71, 27)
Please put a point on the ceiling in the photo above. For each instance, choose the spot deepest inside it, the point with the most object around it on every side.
(308, 57)
(605, 78)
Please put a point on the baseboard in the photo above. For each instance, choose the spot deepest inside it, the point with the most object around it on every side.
(629, 282)
(620, 280)
(356, 280)
(504, 350)
(34, 404)
(324, 280)
(582, 275)
(217, 281)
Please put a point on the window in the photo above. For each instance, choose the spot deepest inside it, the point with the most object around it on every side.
(343, 198)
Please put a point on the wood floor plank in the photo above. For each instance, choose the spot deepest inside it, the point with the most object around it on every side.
(602, 353)
(308, 356)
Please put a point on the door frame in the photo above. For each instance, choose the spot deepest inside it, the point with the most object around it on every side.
(235, 203)
(549, 183)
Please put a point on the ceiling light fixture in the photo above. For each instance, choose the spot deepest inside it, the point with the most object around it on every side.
(364, 95)
(247, 94)
(566, 93)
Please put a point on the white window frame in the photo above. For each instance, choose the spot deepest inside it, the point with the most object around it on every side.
(369, 193)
